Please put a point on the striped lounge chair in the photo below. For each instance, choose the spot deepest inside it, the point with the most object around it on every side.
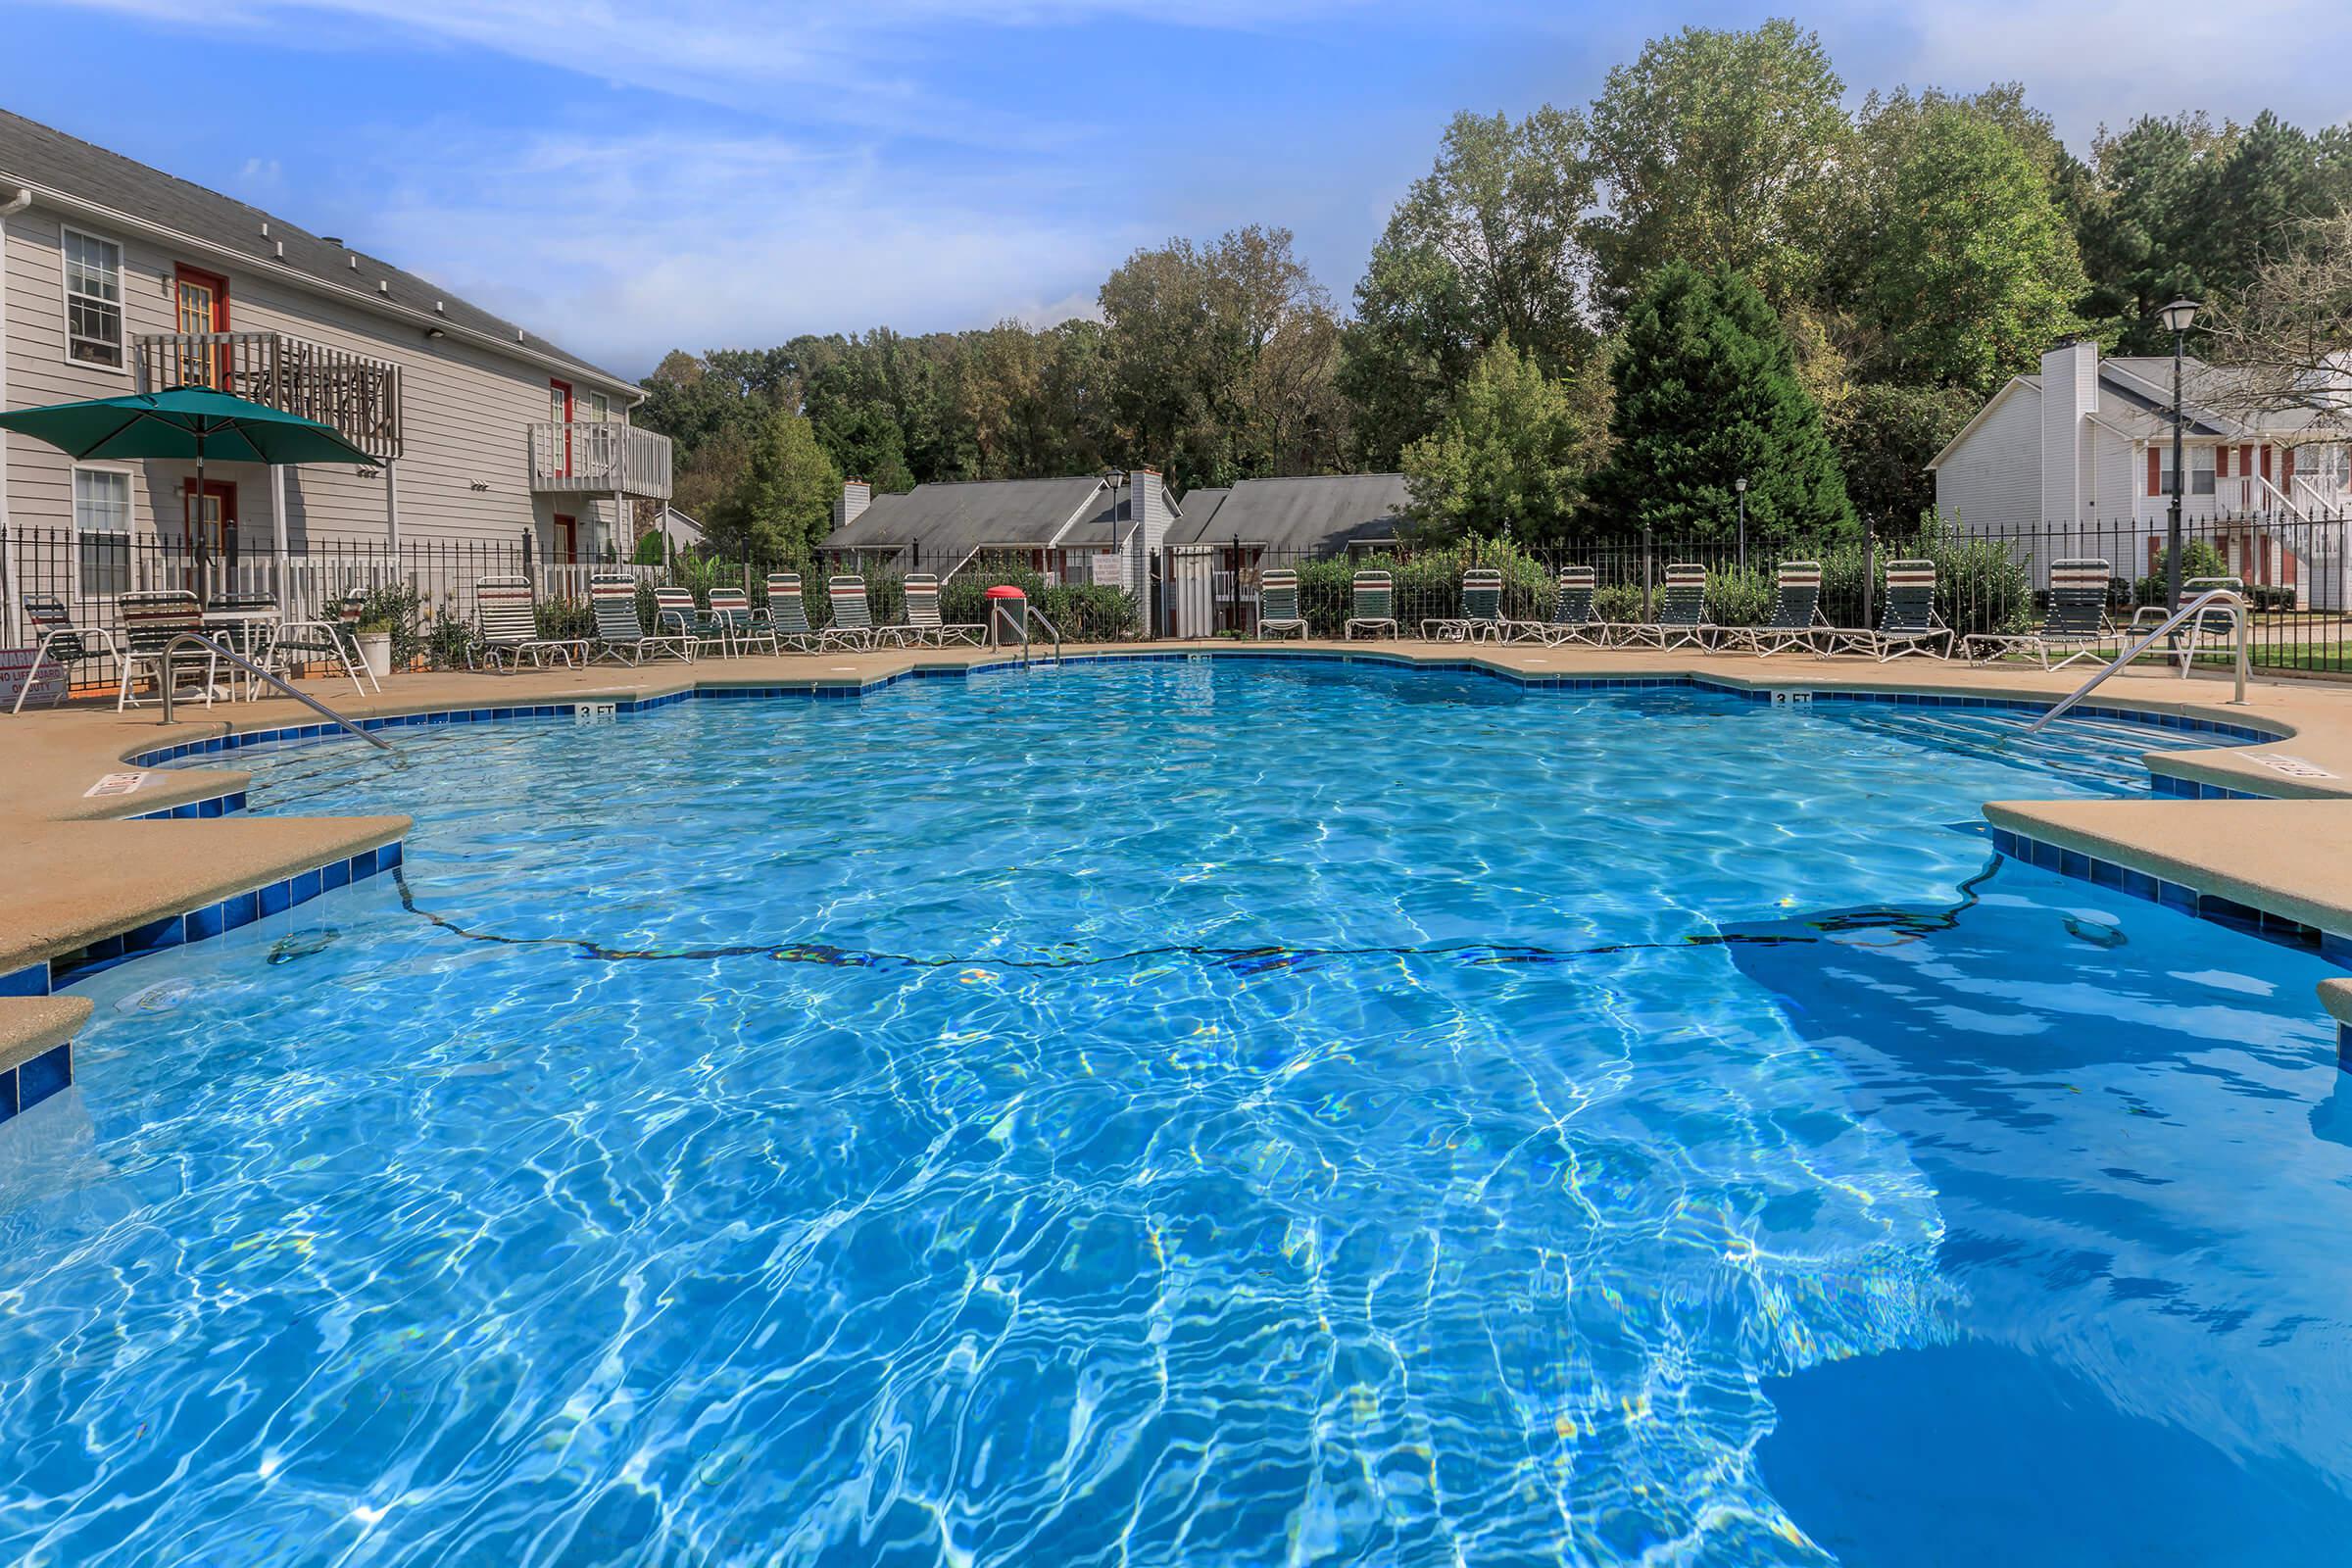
(2074, 624)
(1908, 622)
(731, 610)
(150, 620)
(1278, 605)
(619, 634)
(64, 644)
(1481, 618)
(1371, 605)
(1682, 615)
(922, 626)
(1572, 619)
(676, 614)
(853, 623)
(787, 615)
(1796, 618)
(507, 623)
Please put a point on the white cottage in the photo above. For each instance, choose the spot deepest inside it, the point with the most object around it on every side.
(2077, 460)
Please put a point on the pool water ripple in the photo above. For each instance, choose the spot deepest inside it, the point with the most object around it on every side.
(1166, 1115)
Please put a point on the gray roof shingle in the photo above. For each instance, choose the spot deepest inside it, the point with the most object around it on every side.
(949, 522)
(1316, 515)
(33, 154)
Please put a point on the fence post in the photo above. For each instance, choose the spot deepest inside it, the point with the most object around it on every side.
(1870, 568)
(1646, 559)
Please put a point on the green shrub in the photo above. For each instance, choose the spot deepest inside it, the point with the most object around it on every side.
(1429, 584)
(1741, 598)
(449, 641)
(564, 619)
(1618, 602)
(651, 550)
(2199, 558)
(394, 605)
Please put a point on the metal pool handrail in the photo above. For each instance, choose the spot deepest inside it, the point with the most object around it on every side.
(191, 639)
(1029, 612)
(2236, 606)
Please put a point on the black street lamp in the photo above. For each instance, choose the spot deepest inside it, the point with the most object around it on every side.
(1740, 485)
(2177, 318)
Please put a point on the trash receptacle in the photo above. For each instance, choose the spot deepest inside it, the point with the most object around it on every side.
(1008, 607)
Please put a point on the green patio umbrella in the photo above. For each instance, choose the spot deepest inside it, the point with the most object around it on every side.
(186, 423)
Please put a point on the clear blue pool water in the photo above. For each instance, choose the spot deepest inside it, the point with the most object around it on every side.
(1189, 1113)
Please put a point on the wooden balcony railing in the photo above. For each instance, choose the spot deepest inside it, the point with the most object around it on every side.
(357, 397)
(593, 457)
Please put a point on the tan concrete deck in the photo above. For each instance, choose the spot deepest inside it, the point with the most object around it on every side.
(72, 877)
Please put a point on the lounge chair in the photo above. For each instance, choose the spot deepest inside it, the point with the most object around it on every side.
(1371, 604)
(922, 626)
(1908, 623)
(1797, 618)
(150, 621)
(2074, 624)
(1572, 619)
(619, 634)
(1278, 605)
(331, 635)
(853, 623)
(1481, 618)
(62, 644)
(1682, 614)
(506, 622)
(731, 610)
(787, 615)
(676, 614)
(2214, 620)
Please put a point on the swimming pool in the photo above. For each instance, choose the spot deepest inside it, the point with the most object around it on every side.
(1192, 1112)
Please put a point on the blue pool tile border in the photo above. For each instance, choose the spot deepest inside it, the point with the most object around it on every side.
(2333, 946)
(35, 1079)
(231, 914)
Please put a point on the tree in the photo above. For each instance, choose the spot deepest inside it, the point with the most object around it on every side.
(1720, 149)
(2282, 347)
(2189, 208)
(1512, 452)
(1485, 246)
(1966, 270)
(1222, 357)
(862, 440)
(1706, 393)
(1885, 436)
(784, 503)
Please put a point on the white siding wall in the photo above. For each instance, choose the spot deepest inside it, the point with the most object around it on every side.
(466, 410)
(1993, 482)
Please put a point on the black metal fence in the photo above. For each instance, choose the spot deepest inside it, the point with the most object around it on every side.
(2297, 570)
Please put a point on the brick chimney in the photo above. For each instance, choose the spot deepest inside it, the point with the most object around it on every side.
(856, 496)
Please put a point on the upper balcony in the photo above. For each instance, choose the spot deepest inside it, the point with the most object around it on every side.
(600, 456)
(354, 396)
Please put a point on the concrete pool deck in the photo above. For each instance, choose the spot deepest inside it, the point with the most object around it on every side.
(77, 874)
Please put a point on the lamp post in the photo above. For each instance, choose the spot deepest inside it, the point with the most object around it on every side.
(2177, 318)
(1740, 485)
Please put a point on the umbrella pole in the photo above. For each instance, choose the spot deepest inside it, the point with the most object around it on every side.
(196, 524)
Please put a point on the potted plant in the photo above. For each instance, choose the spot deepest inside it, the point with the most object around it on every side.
(375, 637)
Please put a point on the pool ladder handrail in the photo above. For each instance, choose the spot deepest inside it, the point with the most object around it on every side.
(2234, 602)
(1029, 612)
(191, 639)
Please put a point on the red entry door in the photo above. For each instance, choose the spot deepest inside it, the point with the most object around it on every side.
(565, 540)
(210, 527)
(559, 410)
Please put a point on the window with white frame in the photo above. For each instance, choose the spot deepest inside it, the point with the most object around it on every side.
(2200, 469)
(102, 529)
(600, 406)
(93, 299)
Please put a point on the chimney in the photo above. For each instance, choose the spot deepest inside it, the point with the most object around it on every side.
(856, 496)
(2070, 390)
(1147, 533)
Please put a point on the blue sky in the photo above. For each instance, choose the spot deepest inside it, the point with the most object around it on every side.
(630, 177)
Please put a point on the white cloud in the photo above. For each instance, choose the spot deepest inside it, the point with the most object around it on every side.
(621, 247)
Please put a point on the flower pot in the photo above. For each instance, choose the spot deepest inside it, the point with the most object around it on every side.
(376, 652)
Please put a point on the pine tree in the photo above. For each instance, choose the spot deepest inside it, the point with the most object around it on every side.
(1706, 393)
(784, 503)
